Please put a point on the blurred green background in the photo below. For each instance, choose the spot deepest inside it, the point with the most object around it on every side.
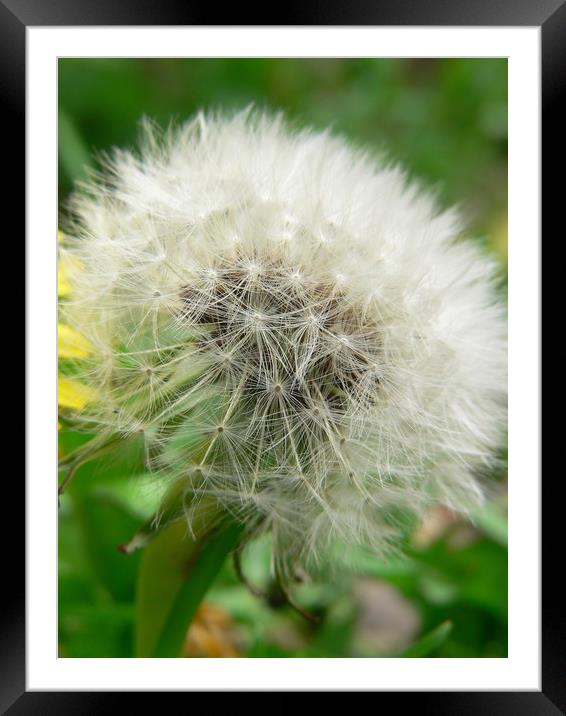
(446, 121)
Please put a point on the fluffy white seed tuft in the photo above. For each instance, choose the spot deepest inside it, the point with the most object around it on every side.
(297, 330)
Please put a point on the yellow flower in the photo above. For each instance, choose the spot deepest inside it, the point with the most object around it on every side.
(72, 394)
(72, 344)
(67, 266)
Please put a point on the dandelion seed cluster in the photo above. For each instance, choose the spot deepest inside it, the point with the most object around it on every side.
(296, 329)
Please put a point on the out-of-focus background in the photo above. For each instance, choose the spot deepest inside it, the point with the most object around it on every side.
(446, 121)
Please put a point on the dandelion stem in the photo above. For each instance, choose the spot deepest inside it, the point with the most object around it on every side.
(204, 567)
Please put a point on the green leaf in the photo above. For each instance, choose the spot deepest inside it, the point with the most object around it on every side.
(69, 440)
(104, 523)
(429, 643)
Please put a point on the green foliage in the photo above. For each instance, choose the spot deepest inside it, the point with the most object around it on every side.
(446, 120)
(74, 157)
(106, 523)
(103, 593)
(429, 643)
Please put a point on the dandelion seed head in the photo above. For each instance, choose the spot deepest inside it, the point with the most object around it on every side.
(299, 329)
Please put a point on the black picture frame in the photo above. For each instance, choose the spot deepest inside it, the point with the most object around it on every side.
(550, 16)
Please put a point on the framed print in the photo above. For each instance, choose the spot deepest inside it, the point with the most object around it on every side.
(295, 355)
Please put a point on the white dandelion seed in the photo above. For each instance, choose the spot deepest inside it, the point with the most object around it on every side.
(298, 331)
